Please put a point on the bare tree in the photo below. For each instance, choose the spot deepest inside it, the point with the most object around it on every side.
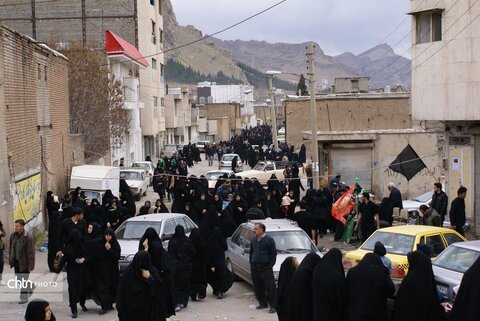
(96, 107)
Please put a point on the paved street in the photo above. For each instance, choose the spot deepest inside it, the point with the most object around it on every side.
(238, 303)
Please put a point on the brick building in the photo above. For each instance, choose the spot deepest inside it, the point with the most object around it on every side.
(35, 145)
(139, 22)
(219, 122)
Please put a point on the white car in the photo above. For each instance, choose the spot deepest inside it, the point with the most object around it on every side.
(170, 151)
(131, 231)
(290, 240)
(148, 166)
(412, 206)
(263, 170)
(137, 180)
(213, 176)
(226, 162)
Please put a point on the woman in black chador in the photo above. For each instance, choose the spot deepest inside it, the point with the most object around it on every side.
(465, 307)
(165, 266)
(329, 288)
(182, 251)
(288, 267)
(418, 286)
(368, 287)
(139, 293)
(298, 299)
(105, 266)
(198, 284)
(216, 267)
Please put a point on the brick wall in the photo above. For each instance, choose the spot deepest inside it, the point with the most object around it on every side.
(36, 111)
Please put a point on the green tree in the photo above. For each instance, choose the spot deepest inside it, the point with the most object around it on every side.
(302, 87)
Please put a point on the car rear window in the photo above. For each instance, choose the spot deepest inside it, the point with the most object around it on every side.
(456, 258)
(394, 243)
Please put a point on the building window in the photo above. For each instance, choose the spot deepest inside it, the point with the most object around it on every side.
(162, 69)
(45, 70)
(39, 72)
(154, 64)
(160, 8)
(160, 32)
(152, 2)
(154, 35)
(162, 102)
(155, 107)
(428, 27)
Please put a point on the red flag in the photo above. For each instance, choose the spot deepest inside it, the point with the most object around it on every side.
(344, 205)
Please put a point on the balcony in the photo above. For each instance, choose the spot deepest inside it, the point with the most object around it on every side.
(131, 89)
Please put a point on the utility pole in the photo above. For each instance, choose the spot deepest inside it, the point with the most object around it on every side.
(313, 115)
(270, 75)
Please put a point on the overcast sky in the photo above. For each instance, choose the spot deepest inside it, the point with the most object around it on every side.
(336, 25)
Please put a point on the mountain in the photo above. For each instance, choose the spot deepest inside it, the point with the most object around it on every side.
(238, 60)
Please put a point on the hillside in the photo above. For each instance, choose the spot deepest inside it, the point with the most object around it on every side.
(246, 61)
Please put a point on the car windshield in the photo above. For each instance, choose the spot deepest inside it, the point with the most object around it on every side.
(425, 197)
(456, 258)
(170, 148)
(132, 176)
(228, 158)
(135, 230)
(292, 241)
(394, 243)
(214, 176)
(259, 167)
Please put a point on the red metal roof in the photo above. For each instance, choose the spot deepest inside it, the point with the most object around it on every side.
(116, 46)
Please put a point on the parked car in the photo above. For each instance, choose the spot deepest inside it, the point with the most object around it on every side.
(451, 264)
(290, 240)
(263, 170)
(149, 168)
(226, 162)
(212, 176)
(201, 145)
(400, 240)
(131, 231)
(137, 180)
(170, 151)
(413, 205)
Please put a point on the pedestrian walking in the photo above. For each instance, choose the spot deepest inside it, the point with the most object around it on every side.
(287, 268)
(439, 201)
(418, 286)
(198, 284)
(298, 303)
(457, 211)
(329, 288)
(263, 254)
(368, 218)
(181, 249)
(217, 268)
(139, 294)
(22, 257)
(395, 195)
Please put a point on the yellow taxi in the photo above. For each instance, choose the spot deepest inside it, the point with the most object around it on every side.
(400, 240)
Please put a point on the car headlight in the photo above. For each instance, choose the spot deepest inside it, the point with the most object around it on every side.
(129, 258)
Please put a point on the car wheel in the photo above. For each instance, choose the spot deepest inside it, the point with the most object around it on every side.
(145, 193)
(139, 196)
(230, 268)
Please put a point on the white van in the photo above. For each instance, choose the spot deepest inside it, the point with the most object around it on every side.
(95, 180)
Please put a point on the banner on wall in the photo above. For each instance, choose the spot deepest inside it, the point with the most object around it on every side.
(27, 198)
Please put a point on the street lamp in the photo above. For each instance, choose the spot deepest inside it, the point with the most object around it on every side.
(270, 74)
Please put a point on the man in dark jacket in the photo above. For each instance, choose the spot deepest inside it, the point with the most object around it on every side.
(395, 196)
(457, 211)
(22, 257)
(439, 201)
(263, 255)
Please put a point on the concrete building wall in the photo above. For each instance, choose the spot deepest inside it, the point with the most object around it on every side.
(231, 110)
(36, 121)
(346, 113)
(445, 73)
(351, 85)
